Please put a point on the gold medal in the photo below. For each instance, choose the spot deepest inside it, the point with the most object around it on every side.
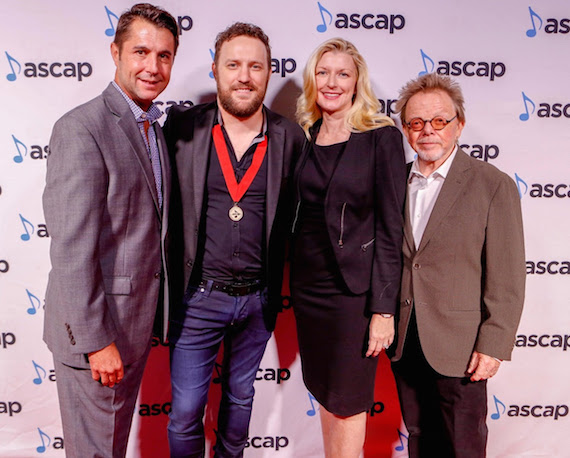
(235, 213)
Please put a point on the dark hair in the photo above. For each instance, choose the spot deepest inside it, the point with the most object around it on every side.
(240, 29)
(153, 14)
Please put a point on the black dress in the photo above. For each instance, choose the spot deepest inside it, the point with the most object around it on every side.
(332, 323)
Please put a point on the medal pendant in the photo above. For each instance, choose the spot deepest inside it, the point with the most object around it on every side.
(235, 213)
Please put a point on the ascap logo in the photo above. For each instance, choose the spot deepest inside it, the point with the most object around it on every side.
(42, 374)
(152, 410)
(542, 190)
(543, 341)
(36, 151)
(484, 152)
(527, 103)
(377, 408)
(367, 21)
(35, 303)
(47, 441)
(544, 110)
(10, 407)
(387, 106)
(7, 339)
(527, 410)
(276, 442)
(491, 70)
(548, 267)
(79, 70)
(30, 229)
(551, 26)
(313, 409)
(169, 103)
(521, 185)
(274, 375)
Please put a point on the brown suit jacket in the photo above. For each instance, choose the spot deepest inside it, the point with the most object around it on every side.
(466, 280)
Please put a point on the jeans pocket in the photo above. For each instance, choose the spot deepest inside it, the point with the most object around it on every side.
(195, 294)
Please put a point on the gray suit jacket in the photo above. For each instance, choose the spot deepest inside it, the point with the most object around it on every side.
(466, 280)
(107, 233)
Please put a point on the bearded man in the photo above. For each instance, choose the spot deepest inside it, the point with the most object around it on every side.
(232, 160)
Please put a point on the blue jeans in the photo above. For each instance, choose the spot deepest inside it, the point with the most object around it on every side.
(207, 318)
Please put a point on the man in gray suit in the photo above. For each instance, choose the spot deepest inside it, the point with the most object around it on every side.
(106, 206)
(463, 280)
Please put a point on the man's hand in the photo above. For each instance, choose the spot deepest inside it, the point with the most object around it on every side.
(107, 365)
(482, 367)
(380, 334)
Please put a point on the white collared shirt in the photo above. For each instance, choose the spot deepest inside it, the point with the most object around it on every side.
(422, 194)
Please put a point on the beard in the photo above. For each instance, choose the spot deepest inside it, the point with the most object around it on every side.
(431, 156)
(238, 108)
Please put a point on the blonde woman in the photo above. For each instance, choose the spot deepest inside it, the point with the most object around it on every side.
(350, 183)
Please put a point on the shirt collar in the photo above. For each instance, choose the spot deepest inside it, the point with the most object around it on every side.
(151, 115)
(441, 171)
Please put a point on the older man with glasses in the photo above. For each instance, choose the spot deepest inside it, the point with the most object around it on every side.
(463, 280)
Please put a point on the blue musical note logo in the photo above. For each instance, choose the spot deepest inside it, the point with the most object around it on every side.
(212, 55)
(42, 448)
(532, 32)
(110, 32)
(26, 235)
(18, 158)
(520, 183)
(321, 28)
(497, 415)
(313, 410)
(12, 75)
(525, 116)
(401, 446)
(35, 303)
(425, 60)
(40, 372)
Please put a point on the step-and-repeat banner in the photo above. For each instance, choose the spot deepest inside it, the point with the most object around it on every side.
(511, 59)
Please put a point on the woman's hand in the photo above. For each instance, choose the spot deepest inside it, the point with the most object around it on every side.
(380, 334)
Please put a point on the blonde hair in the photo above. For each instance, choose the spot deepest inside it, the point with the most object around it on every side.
(364, 113)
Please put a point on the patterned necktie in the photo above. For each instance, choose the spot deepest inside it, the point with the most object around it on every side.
(145, 123)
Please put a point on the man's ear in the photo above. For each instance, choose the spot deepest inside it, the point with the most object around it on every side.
(115, 53)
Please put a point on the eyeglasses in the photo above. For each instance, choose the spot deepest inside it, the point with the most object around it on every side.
(437, 123)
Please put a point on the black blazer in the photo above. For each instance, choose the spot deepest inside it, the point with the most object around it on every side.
(363, 212)
(188, 133)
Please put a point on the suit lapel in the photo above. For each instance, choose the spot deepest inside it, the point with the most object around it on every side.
(275, 150)
(408, 233)
(128, 125)
(448, 195)
(198, 152)
(166, 173)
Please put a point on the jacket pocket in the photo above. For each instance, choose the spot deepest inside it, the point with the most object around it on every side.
(120, 286)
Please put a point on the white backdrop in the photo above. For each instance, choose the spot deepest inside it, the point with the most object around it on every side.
(511, 59)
